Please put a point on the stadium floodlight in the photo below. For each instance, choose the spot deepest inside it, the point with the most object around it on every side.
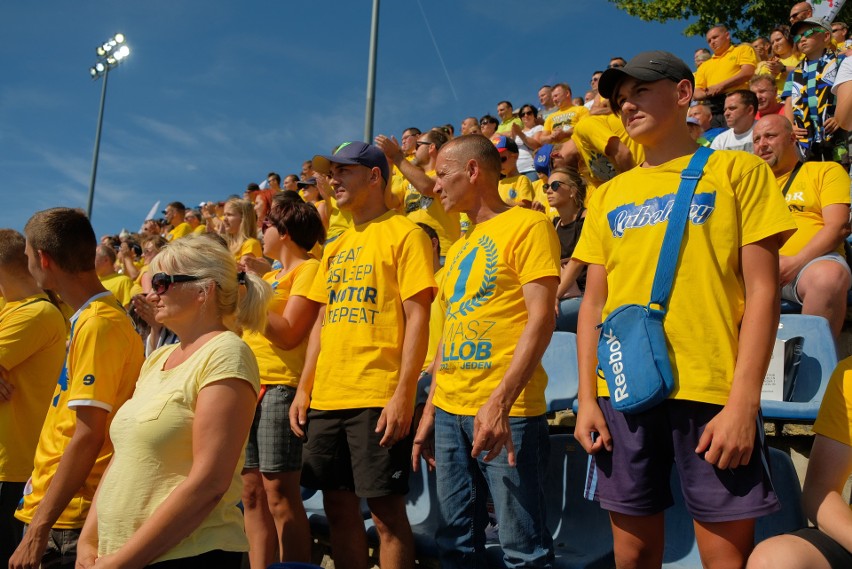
(110, 53)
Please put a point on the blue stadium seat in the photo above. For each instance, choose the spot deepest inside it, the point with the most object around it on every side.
(681, 549)
(819, 358)
(582, 537)
(560, 363)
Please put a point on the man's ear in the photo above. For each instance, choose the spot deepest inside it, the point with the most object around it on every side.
(44, 259)
(684, 92)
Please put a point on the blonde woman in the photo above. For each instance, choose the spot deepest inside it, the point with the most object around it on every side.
(566, 192)
(171, 490)
(276, 524)
(239, 228)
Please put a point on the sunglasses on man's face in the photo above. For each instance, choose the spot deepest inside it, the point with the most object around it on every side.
(806, 34)
(161, 282)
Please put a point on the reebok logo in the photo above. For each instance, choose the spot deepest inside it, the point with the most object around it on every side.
(617, 367)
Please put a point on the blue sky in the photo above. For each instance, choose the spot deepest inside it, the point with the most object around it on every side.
(216, 94)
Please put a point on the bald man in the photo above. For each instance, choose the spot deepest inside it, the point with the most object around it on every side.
(813, 265)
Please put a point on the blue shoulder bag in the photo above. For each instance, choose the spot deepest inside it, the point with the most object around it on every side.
(632, 352)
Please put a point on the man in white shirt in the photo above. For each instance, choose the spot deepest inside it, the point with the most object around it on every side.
(740, 109)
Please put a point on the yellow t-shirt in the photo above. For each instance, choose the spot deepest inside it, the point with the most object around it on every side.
(277, 366)
(563, 119)
(365, 276)
(180, 230)
(817, 185)
(506, 126)
(121, 286)
(338, 220)
(515, 189)
(101, 368)
(736, 203)
(485, 309)
(834, 419)
(251, 247)
(153, 449)
(396, 188)
(721, 67)
(591, 136)
(142, 270)
(429, 210)
(436, 325)
(32, 349)
(200, 230)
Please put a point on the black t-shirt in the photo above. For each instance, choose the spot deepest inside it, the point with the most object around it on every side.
(569, 236)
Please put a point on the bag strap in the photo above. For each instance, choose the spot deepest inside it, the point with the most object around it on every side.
(791, 178)
(670, 251)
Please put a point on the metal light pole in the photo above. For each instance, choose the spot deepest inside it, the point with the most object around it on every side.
(371, 75)
(110, 54)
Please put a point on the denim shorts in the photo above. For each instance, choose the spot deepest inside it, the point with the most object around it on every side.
(272, 446)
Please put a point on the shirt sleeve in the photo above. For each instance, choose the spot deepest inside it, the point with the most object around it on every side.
(96, 363)
(834, 419)
(414, 268)
(232, 358)
(834, 188)
(700, 78)
(844, 74)
(304, 280)
(762, 208)
(746, 56)
(590, 247)
(537, 254)
(525, 189)
(22, 333)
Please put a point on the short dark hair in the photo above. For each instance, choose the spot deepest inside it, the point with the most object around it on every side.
(295, 177)
(413, 130)
(13, 256)
(299, 220)
(488, 119)
(530, 107)
(748, 98)
(433, 235)
(505, 103)
(66, 235)
(784, 30)
(274, 176)
(178, 206)
(437, 137)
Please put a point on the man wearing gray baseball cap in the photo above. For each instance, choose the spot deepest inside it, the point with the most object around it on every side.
(726, 278)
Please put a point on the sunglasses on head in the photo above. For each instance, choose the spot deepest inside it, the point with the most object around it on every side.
(555, 185)
(161, 282)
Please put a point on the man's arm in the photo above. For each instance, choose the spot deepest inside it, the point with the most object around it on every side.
(71, 473)
(302, 399)
(745, 73)
(590, 419)
(728, 438)
(619, 154)
(413, 173)
(395, 419)
(491, 430)
(843, 111)
(836, 229)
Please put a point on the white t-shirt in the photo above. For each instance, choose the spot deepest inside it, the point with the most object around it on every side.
(729, 140)
(844, 74)
(526, 155)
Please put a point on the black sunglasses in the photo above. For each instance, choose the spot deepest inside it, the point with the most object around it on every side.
(526, 113)
(161, 282)
(423, 143)
(555, 185)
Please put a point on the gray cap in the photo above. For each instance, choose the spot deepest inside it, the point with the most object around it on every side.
(647, 66)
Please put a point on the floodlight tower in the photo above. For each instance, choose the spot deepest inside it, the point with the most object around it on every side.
(110, 54)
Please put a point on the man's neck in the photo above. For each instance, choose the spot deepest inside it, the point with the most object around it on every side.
(814, 56)
(369, 213)
(487, 206)
(17, 287)
(722, 50)
(785, 167)
(77, 288)
(740, 130)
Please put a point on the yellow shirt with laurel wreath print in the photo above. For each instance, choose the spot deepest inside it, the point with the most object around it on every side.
(482, 291)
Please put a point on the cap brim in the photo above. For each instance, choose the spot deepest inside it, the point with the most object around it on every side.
(322, 164)
(612, 77)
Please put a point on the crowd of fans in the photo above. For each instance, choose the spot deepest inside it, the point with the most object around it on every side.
(387, 308)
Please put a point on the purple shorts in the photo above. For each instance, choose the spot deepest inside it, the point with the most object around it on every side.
(634, 478)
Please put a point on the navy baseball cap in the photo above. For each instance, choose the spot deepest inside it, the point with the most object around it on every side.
(354, 153)
(648, 66)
